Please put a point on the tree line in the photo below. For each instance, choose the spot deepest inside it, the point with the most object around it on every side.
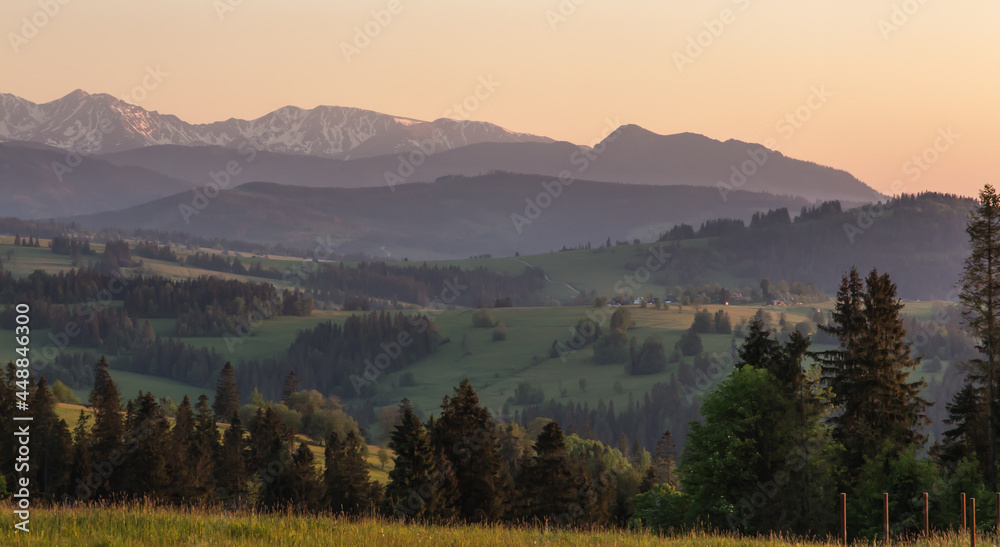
(918, 237)
(462, 466)
(425, 285)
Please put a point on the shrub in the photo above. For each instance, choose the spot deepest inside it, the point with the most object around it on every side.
(500, 332)
(649, 359)
(622, 319)
(64, 394)
(525, 394)
(703, 322)
(723, 324)
(690, 343)
(482, 319)
(612, 348)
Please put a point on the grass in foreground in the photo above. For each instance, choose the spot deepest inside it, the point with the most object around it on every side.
(145, 525)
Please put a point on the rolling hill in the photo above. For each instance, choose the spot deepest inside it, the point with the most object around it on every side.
(42, 182)
(455, 217)
(629, 155)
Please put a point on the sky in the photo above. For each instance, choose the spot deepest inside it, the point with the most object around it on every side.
(902, 94)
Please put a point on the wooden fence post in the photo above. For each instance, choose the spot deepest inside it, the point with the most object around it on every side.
(973, 529)
(843, 504)
(927, 517)
(964, 513)
(885, 507)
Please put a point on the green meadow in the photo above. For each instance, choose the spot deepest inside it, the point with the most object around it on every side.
(147, 525)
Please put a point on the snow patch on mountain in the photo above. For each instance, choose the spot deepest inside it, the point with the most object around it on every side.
(100, 123)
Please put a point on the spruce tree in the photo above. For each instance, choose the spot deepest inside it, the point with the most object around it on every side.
(291, 386)
(231, 472)
(109, 429)
(227, 393)
(980, 298)
(298, 485)
(547, 487)
(80, 482)
(181, 447)
(345, 479)
(968, 435)
(880, 409)
(412, 490)
(205, 450)
(758, 349)
(467, 436)
(51, 444)
(145, 471)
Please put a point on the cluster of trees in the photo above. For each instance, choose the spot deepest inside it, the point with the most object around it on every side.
(462, 466)
(729, 226)
(155, 251)
(918, 237)
(343, 360)
(117, 255)
(424, 285)
(41, 228)
(74, 247)
(109, 328)
(135, 452)
(705, 322)
(210, 306)
(347, 360)
(26, 242)
(233, 265)
(173, 359)
(206, 306)
(771, 456)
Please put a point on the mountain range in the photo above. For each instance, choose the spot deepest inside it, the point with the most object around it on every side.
(101, 123)
(116, 164)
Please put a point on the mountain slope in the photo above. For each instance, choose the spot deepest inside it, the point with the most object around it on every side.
(101, 123)
(452, 218)
(631, 155)
(40, 182)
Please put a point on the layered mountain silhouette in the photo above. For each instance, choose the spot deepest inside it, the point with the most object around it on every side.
(632, 155)
(454, 217)
(37, 181)
(126, 155)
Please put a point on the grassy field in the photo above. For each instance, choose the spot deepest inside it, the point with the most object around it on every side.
(495, 368)
(147, 525)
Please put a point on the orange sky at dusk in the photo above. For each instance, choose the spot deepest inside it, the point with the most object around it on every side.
(861, 85)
